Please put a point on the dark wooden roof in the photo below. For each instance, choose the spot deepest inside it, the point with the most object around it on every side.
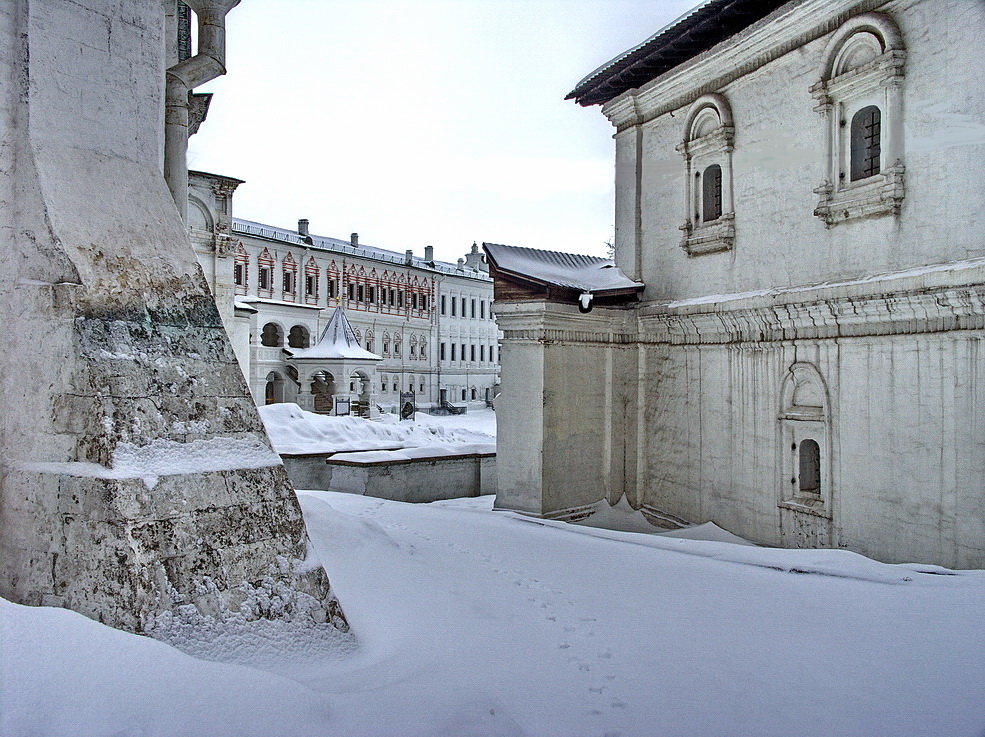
(693, 33)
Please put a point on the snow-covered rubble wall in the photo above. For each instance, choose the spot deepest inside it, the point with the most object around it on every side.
(122, 399)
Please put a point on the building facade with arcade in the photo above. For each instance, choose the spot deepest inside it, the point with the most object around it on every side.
(429, 322)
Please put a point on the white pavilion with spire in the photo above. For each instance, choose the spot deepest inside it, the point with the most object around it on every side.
(336, 373)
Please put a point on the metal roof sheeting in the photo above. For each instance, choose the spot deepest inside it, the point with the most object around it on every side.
(569, 270)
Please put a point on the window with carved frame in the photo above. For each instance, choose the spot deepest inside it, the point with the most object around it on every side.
(709, 217)
(860, 98)
(805, 442)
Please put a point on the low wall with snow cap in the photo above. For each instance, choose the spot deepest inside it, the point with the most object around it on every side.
(416, 475)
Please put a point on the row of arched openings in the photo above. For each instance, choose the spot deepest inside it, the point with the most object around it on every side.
(272, 336)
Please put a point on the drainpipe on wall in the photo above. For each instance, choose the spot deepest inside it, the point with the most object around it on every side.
(207, 64)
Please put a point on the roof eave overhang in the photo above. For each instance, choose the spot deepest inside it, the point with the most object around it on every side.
(690, 36)
(607, 292)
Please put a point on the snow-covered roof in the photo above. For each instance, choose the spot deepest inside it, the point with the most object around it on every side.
(590, 274)
(337, 341)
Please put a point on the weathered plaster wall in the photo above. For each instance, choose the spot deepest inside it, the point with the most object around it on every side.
(122, 496)
(693, 421)
(907, 442)
(778, 160)
(565, 415)
(520, 426)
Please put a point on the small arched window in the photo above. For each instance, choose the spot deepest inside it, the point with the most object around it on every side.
(707, 150)
(298, 337)
(865, 145)
(271, 336)
(274, 389)
(810, 467)
(805, 434)
(711, 193)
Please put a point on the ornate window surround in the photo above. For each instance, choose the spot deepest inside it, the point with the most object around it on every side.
(709, 135)
(863, 65)
(805, 414)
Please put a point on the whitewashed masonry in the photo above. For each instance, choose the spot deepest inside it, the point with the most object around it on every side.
(806, 366)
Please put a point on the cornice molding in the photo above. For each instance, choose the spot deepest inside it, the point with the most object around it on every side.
(933, 301)
(891, 313)
(778, 34)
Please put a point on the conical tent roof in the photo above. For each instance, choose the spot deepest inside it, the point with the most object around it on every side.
(337, 341)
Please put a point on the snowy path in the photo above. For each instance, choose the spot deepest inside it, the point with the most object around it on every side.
(480, 624)
(476, 623)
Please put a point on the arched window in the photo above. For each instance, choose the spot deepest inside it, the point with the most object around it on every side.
(370, 341)
(866, 137)
(271, 335)
(810, 467)
(265, 274)
(860, 97)
(707, 151)
(805, 421)
(298, 337)
(241, 269)
(274, 389)
(711, 193)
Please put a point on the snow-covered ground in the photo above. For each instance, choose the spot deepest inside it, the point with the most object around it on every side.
(294, 430)
(474, 623)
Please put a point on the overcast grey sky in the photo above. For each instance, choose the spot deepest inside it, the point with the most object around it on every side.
(423, 122)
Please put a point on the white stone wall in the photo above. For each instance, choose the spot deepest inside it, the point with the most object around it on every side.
(693, 409)
(779, 159)
(565, 410)
(906, 444)
(116, 371)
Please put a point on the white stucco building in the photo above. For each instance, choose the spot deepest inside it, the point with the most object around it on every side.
(430, 322)
(797, 192)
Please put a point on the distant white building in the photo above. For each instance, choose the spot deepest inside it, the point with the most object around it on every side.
(430, 322)
(798, 187)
